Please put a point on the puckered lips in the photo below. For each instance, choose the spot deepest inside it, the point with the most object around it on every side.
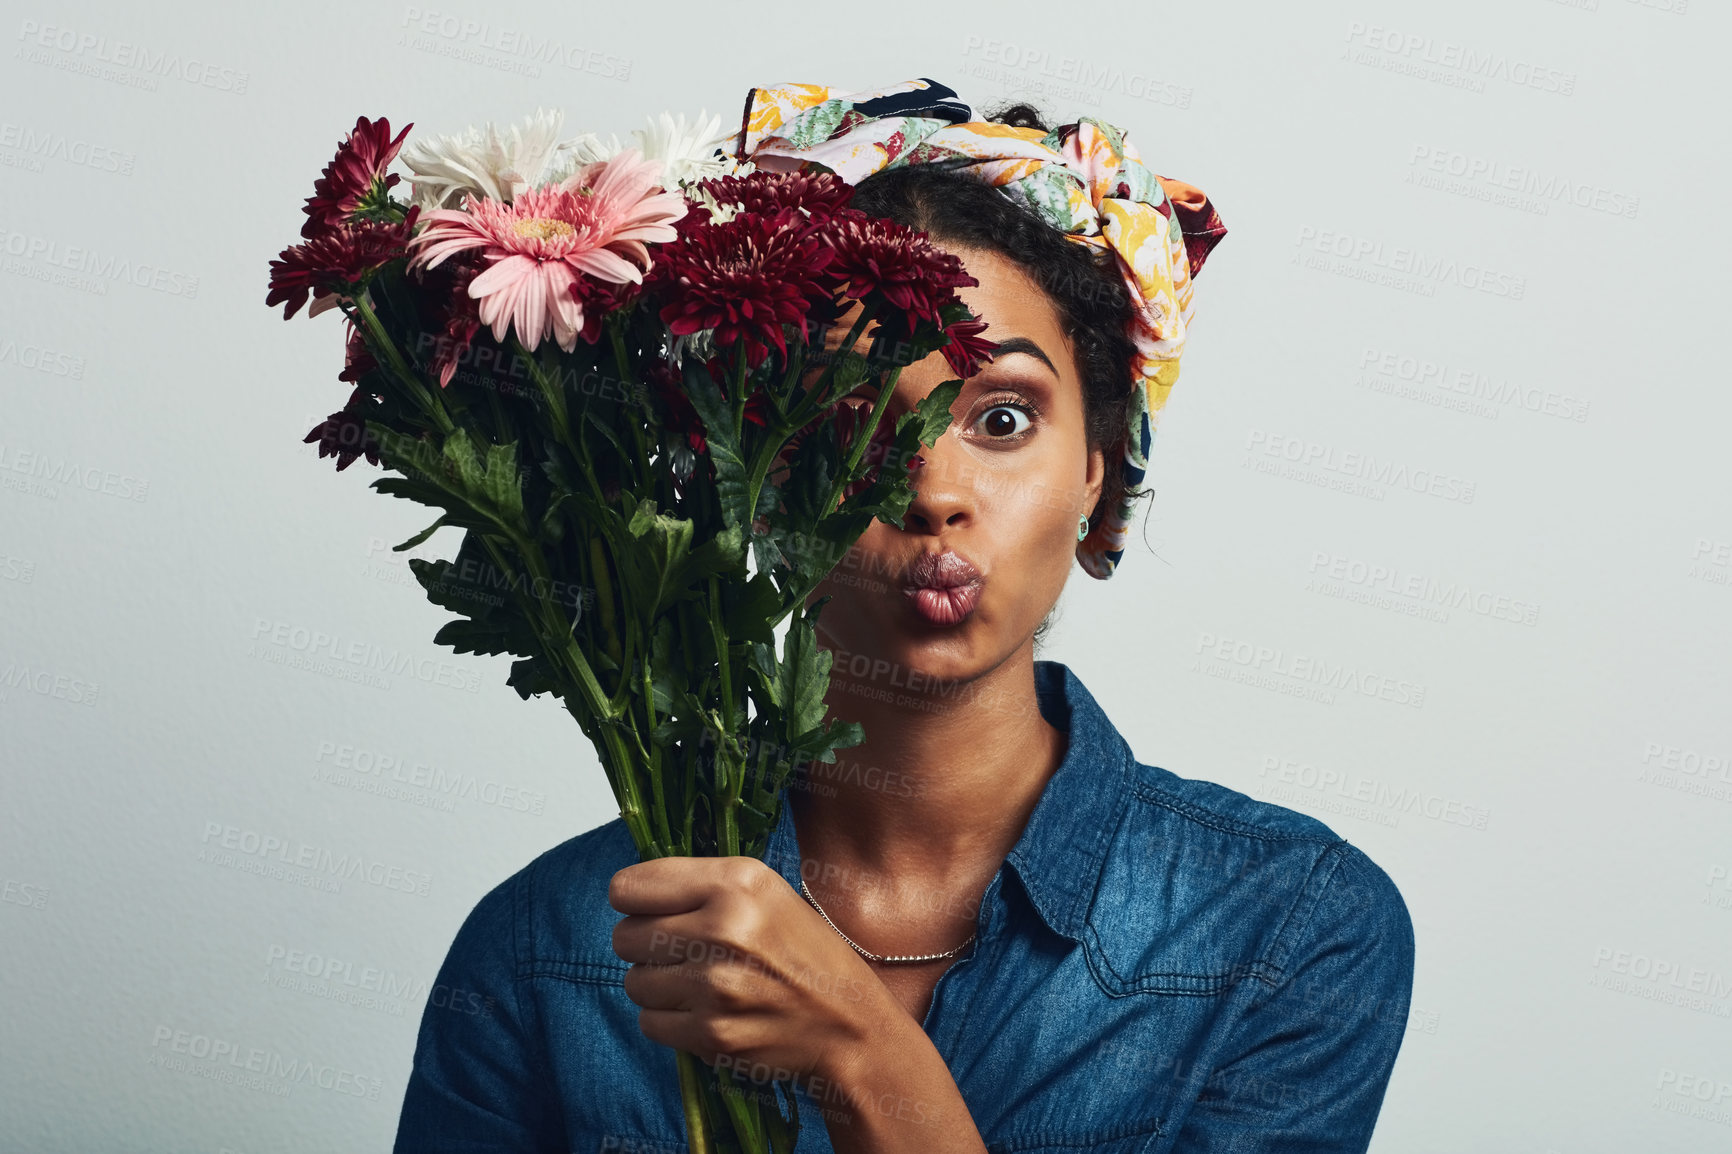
(943, 587)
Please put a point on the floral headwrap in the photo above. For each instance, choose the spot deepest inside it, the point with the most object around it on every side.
(1085, 179)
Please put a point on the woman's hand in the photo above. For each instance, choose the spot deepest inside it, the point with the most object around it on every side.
(730, 960)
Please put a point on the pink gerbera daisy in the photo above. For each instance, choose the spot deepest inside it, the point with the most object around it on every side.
(593, 224)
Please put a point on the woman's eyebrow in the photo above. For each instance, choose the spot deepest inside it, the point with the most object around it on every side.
(1023, 345)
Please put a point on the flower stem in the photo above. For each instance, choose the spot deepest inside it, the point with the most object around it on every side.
(550, 390)
(604, 597)
(691, 1099)
(846, 475)
(554, 633)
(434, 410)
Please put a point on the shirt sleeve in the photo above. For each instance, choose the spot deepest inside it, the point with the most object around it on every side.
(1310, 1058)
(479, 1078)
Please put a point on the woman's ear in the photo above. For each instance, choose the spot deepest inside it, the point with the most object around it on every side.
(1094, 478)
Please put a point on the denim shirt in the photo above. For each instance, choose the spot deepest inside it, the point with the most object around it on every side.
(1165, 965)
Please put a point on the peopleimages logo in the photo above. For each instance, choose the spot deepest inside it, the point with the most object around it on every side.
(1711, 561)
(1403, 267)
(42, 360)
(1271, 661)
(1469, 385)
(272, 1065)
(1066, 76)
(362, 659)
(78, 261)
(39, 145)
(89, 52)
(381, 770)
(1421, 51)
(463, 38)
(1391, 579)
(1357, 467)
(1498, 176)
(46, 683)
(1662, 980)
(1373, 793)
(343, 981)
(247, 850)
(65, 471)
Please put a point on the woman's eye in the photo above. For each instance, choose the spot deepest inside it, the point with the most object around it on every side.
(1004, 421)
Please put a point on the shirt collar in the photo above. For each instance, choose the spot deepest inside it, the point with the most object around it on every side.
(1059, 856)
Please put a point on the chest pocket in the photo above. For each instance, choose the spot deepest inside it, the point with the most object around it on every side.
(1193, 909)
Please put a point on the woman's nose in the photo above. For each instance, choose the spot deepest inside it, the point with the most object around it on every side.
(943, 494)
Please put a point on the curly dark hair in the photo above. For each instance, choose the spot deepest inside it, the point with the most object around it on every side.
(1083, 283)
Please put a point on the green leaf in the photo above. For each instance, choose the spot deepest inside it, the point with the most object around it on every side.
(677, 729)
(607, 430)
(841, 735)
(667, 668)
(722, 442)
(931, 414)
(723, 556)
(665, 543)
(419, 537)
(750, 608)
(491, 484)
(761, 661)
(469, 584)
(852, 370)
(553, 523)
(820, 743)
(476, 491)
(507, 634)
(804, 677)
(412, 490)
(531, 676)
(889, 496)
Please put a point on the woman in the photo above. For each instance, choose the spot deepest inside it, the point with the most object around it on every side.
(1166, 965)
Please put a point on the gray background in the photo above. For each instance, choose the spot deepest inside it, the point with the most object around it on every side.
(1555, 804)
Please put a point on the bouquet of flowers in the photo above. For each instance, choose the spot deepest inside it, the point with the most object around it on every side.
(607, 367)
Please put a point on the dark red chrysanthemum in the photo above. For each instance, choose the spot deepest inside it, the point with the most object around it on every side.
(820, 194)
(344, 434)
(359, 164)
(874, 255)
(681, 417)
(357, 358)
(601, 298)
(967, 350)
(757, 410)
(335, 261)
(745, 278)
(458, 313)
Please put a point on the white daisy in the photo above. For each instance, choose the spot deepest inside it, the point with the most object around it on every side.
(485, 162)
(688, 153)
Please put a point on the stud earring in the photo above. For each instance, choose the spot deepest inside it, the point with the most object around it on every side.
(1082, 526)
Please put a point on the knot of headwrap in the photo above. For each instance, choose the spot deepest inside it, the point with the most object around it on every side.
(1085, 179)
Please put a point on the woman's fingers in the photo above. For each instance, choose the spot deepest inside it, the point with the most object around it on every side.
(725, 988)
(666, 940)
(669, 885)
(676, 885)
(705, 1035)
(660, 987)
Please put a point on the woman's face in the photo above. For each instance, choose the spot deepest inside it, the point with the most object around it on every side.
(990, 539)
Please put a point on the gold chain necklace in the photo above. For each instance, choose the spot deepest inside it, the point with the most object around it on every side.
(892, 959)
